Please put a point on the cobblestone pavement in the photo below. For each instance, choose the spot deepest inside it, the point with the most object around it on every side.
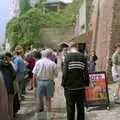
(27, 111)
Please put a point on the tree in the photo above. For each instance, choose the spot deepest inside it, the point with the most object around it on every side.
(39, 4)
(25, 29)
(24, 6)
(13, 32)
(30, 25)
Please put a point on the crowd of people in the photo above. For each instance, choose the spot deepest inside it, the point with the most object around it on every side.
(39, 69)
(20, 68)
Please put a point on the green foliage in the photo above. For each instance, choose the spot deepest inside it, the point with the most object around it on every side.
(25, 30)
(65, 17)
(39, 4)
(71, 11)
(13, 32)
(30, 24)
(24, 6)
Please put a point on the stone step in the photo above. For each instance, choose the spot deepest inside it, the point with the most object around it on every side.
(50, 116)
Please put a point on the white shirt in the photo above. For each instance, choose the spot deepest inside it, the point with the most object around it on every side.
(45, 69)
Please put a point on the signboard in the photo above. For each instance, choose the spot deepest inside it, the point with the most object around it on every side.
(97, 92)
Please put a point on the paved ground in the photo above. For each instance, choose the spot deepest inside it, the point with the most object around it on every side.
(27, 111)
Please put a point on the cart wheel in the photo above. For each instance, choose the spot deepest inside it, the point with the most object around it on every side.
(108, 107)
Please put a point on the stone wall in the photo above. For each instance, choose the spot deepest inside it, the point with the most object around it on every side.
(106, 31)
(54, 36)
(102, 24)
(115, 36)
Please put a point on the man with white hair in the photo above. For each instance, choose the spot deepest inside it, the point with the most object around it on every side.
(44, 72)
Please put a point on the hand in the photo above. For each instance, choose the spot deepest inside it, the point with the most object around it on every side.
(34, 84)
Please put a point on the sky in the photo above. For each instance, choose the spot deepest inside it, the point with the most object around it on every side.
(4, 16)
(67, 0)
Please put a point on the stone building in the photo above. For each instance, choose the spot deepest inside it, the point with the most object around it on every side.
(54, 5)
(83, 18)
(106, 31)
(102, 19)
(14, 8)
(83, 31)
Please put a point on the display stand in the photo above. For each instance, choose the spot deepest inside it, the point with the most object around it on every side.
(97, 93)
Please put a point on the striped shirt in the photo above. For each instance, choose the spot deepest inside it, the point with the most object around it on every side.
(76, 65)
(45, 69)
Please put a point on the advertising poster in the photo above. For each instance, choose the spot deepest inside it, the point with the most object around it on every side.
(97, 93)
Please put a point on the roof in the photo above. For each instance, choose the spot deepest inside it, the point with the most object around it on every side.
(55, 2)
(86, 37)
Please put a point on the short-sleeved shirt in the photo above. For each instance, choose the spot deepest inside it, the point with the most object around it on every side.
(45, 69)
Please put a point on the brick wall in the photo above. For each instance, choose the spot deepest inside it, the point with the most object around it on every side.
(106, 32)
(102, 23)
(115, 36)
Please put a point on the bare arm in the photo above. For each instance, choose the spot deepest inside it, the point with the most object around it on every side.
(34, 80)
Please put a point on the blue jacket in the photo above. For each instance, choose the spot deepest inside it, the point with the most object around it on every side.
(19, 64)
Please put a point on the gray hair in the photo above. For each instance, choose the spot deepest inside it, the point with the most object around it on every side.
(43, 53)
(48, 52)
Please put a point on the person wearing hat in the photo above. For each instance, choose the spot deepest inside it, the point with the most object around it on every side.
(74, 80)
(20, 69)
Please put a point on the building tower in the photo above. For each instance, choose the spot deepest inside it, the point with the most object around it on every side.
(14, 8)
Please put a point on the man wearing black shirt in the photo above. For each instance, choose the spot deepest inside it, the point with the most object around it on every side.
(75, 78)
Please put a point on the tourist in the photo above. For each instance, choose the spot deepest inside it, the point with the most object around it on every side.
(37, 56)
(63, 54)
(20, 69)
(44, 72)
(93, 54)
(91, 65)
(116, 72)
(75, 78)
(3, 100)
(30, 65)
(8, 73)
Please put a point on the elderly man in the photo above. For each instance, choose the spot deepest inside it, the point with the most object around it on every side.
(44, 72)
(75, 78)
